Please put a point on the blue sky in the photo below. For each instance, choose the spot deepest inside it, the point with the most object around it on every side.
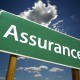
(68, 14)
(68, 11)
(21, 73)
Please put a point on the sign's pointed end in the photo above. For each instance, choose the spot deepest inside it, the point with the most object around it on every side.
(1, 11)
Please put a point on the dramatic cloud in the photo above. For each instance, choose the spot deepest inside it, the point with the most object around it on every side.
(33, 69)
(41, 13)
(56, 70)
(2, 78)
(37, 75)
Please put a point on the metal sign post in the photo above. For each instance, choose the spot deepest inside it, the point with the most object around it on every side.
(75, 74)
(11, 68)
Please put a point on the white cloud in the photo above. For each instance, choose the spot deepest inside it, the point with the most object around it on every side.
(56, 26)
(73, 17)
(20, 68)
(54, 69)
(33, 69)
(43, 67)
(41, 13)
(22, 58)
(37, 75)
(14, 78)
(46, 78)
(57, 23)
(1, 11)
(2, 78)
(59, 76)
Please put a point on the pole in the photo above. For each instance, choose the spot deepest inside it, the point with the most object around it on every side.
(75, 74)
(11, 68)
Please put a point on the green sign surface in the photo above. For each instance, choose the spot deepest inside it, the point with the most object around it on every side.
(23, 37)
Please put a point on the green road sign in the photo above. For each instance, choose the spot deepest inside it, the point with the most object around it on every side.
(23, 37)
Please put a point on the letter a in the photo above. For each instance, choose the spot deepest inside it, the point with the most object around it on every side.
(14, 33)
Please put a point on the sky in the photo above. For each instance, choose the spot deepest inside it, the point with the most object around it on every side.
(63, 16)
